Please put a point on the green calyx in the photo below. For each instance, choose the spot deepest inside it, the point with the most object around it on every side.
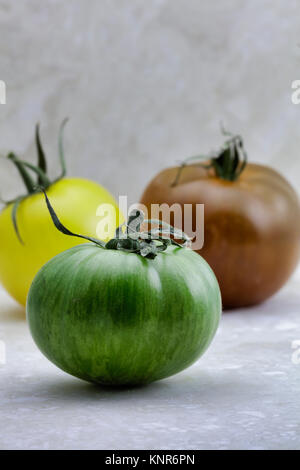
(129, 238)
(228, 163)
(35, 177)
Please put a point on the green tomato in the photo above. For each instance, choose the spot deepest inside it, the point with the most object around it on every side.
(116, 318)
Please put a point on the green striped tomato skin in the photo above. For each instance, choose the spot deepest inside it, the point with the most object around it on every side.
(116, 318)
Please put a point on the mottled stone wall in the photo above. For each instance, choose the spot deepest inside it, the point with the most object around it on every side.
(147, 83)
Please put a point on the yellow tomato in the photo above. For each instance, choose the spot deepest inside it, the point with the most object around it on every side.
(76, 202)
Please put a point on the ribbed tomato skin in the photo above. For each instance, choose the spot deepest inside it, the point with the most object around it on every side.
(115, 318)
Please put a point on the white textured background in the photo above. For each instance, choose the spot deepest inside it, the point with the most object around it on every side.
(147, 83)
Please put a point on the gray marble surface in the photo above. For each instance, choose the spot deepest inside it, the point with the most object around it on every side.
(243, 394)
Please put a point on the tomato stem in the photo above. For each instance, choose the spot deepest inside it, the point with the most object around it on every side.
(61, 150)
(42, 181)
(45, 182)
(228, 163)
(27, 180)
(147, 243)
(14, 217)
(42, 163)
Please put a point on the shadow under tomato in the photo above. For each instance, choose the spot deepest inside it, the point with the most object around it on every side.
(197, 386)
(284, 301)
(73, 389)
(12, 313)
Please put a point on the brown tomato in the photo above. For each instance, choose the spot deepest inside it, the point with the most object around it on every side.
(251, 221)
